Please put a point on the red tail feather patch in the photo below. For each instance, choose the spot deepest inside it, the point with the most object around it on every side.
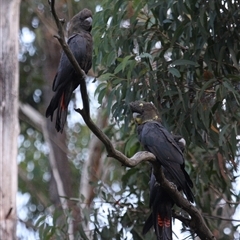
(164, 222)
(62, 102)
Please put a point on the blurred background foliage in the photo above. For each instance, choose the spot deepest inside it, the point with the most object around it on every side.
(181, 55)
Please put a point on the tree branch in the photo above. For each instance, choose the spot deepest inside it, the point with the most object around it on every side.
(112, 152)
(197, 223)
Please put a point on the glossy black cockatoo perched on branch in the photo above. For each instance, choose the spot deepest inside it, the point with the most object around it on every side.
(168, 151)
(67, 80)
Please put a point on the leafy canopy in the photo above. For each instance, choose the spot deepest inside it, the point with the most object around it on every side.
(184, 57)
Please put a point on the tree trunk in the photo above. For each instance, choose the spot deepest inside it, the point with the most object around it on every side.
(9, 127)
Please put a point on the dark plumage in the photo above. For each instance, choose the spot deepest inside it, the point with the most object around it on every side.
(66, 79)
(168, 151)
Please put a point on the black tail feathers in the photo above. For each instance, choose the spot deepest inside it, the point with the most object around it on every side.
(161, 216)
(162, 224)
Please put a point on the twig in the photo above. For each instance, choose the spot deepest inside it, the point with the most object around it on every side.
(224, 63)
(223, 197)
(28, 224)
(221, 218)
(185, 220)
(222, 167)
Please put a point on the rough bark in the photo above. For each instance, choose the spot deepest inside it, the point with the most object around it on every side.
(9, 127)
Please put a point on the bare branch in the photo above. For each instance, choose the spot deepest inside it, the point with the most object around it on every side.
(221, 218)
(222, 166)
(180, 217)
(223, 196)
(28, 224)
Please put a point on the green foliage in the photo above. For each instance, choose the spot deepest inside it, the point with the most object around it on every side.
(33, 167)
(184, 57)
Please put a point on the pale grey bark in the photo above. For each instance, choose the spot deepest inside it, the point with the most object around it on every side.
(9, 127)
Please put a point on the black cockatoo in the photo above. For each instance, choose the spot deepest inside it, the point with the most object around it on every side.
(168, 151)
(67, 80)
